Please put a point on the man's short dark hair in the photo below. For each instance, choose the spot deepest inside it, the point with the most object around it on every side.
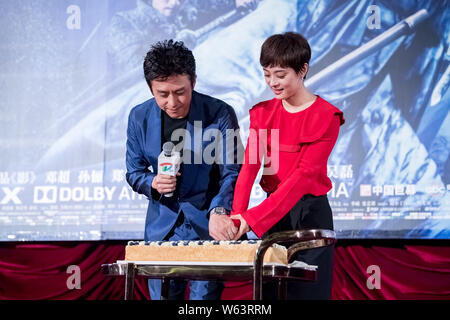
(289, 49)
(167, 58)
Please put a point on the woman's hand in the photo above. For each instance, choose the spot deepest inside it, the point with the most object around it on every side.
(244, 227)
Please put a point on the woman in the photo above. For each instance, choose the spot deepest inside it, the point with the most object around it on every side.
(301, 129)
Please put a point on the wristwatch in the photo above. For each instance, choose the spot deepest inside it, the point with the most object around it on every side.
(219, 210)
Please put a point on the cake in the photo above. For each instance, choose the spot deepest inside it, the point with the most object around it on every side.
(202, 251)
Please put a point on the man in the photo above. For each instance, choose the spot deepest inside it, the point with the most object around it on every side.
(203, 189)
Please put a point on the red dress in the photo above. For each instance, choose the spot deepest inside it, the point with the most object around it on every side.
(305, 141)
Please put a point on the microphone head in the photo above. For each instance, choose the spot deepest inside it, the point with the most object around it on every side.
(167, 148)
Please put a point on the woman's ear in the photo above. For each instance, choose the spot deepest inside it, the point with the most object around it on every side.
(304, 70)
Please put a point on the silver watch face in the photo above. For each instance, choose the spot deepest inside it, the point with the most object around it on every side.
(219, 210)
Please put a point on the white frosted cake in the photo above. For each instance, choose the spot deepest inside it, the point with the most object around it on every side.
(202, 250)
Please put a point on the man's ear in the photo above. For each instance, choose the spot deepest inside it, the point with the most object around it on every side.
(194, 82)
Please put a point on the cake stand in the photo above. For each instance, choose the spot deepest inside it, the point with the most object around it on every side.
(306, 239)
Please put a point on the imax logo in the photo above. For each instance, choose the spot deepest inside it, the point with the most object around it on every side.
(11, 195)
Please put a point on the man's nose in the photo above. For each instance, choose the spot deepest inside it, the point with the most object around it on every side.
(172, 100)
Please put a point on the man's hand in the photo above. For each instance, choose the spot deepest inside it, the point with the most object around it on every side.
(164, 183)
(221, 227)
(244, 227)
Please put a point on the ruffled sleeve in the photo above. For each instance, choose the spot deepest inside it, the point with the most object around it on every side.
(318, 120)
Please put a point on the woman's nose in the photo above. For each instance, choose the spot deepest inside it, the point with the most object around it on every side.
(273, 82)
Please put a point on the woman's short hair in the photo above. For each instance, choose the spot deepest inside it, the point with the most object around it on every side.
(289, 49)
(167, 58)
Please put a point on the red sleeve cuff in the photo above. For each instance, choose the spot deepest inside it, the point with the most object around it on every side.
(253, 223)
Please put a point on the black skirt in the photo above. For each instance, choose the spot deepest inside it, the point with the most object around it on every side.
(310, 212)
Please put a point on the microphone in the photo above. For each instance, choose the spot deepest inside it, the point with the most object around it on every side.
(169, 162)
(167, 148)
